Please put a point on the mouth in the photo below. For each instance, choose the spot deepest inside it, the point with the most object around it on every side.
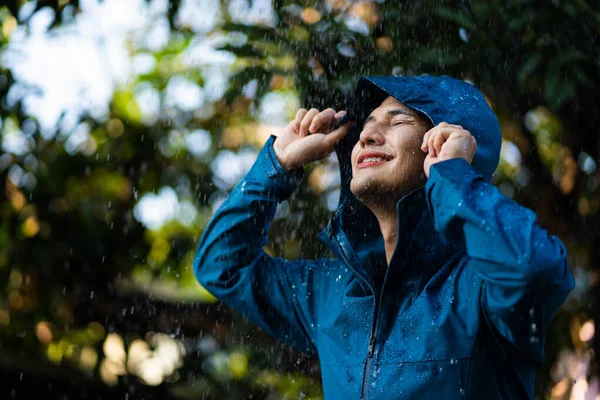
(372, 159)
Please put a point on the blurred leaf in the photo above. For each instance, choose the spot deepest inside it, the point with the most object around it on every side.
(529, 66)
(126, 107)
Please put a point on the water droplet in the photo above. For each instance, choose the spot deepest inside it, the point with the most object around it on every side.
(453, 361)
(464, 36)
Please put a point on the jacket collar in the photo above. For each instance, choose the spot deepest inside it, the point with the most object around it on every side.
(420, 250)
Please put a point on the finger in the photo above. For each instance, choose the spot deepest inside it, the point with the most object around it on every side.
(323, 145)
(340, 114)
(443, 129)
(457, 127)
(335, 136)
(440, 139)
(429, 134)
(306, 120)
(298, 118)
(300, 114)
(430, 140)
(322, 121)
(424, 146)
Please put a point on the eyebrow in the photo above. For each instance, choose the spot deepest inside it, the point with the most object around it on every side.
(391, 113)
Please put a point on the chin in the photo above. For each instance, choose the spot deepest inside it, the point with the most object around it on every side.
(377, 190)
(366, 190)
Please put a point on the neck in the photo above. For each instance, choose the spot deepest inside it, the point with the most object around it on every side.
(387, 216)
(388, 223)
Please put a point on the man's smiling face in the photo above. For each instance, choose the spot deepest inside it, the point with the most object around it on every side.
(387, 160)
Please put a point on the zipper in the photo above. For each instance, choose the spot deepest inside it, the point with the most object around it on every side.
(374, 333)
(340, 251)
(372, 343)
(371, 349)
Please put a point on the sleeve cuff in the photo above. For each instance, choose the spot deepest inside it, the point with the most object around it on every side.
(457, 171)
(279, 181)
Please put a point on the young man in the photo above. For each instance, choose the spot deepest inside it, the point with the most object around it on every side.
(442, 287)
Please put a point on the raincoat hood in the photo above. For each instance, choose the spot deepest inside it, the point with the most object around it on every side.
(441, 99)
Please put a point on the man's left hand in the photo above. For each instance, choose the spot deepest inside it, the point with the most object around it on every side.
(446, 141)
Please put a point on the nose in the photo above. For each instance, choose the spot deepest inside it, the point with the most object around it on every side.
(371, 136)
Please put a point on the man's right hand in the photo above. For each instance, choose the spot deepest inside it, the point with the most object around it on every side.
(309, 137)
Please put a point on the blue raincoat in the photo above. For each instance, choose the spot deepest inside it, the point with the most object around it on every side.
(470, 289)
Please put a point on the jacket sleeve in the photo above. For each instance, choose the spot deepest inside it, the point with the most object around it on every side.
(230, 262)
(524, 270)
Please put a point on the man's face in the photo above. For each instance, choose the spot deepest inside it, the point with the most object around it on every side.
(387, 160)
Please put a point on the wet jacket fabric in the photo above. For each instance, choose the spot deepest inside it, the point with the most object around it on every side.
(463, 306)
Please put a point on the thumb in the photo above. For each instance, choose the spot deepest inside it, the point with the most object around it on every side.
(334, 137)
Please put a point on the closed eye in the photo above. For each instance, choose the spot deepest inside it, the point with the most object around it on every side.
(402, 120)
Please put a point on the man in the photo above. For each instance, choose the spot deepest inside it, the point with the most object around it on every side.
(442, 287)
